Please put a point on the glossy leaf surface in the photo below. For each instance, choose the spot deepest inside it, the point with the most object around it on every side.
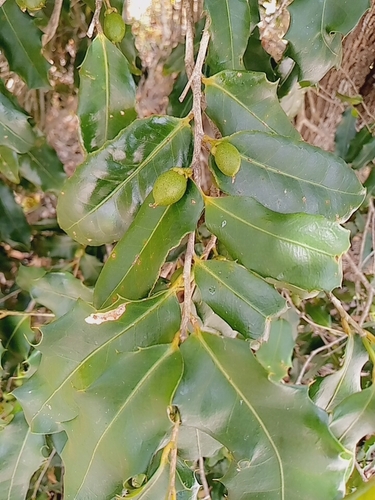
(14, 228)
(299, 249)
(315, 33)
(76, 353)
(238, 296)
(133, 266)
(334, 388)
(15, 131)
(230, 29)
(122, 422)
(275, 355)
(42, 167)
(106, 93)
(20, 456)
(289, 176)
(225, 389)
(245, 100)
(9, 165)
(100, 200)
(353, 418)
(21, 41)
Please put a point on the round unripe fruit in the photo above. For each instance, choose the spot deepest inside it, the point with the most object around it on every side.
(114, 27)
(227, 158)
(169, 188)
(32, 5)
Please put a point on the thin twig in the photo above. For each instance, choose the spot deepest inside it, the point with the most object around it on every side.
(210, 245)
(362, 278)
(346, 319)
(52, 23)
(42, 473)
(196, 83)
(95, 23)
(313, 354)
(366, 230)
(173, 461)
(4, 313)
(202, 473)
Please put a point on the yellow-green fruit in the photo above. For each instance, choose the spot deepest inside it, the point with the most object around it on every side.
(227, 158)
(32, 5)
(169, 188)
(114, 27)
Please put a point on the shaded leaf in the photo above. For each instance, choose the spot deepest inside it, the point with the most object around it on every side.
(100, 200)
(289, 176)
(42, 167)
(356, 144)
(20, 456)
(91, 268)
(122, 422)
(241, 298)
(275, 355)
(230, 29)
(59, 292)
(316, 31)
(225, 389)
(366, 155)
(128, 48)
(15, 131)
(134, 265)
(21, 41)
(346, 381)
(353, 418)
(17, 336)
(245, 100)
(14, 228)
(299, 249)
(9, 166)
(193, 443)
(106, 93)
(256, 58)
(345, 132)
(76, 353)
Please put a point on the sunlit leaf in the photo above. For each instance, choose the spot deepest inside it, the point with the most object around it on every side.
(316, 31)
(76, 353)
(230, 29)
(14, 228)
(241, 298)
(20, 456)
(21, 40)
(122, 422)
(289, 176)
(133, 266)
(334, 388)
(299, 249)
(225, 389)
(100, 200)
(245, 100)
(15, 131)
(365, 492)
(106, 93)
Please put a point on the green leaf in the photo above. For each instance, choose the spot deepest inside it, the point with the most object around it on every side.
(299, 249)
(42, 167)
(59, 292)
(225, 389)
(21, 41)
(316, 31)
(289, 176)
(14, 228)
(366, 155)
(128, 48)
(345, 132)
(75, 353)
(241, 298)
(9, 165)
(100, 200)
(122, 422)
(230, 29)
(275, 355)
(365, 492)
(20, 457)
(346, 381)
(134, 265)
(17, 336)
(361, 138)
(15, 131)
(256, 58)
(106, 93)
(245, 100)
(193, 444)
(353, 418)
(91, 268)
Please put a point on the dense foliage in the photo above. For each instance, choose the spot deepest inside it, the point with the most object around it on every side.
(172, 368)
